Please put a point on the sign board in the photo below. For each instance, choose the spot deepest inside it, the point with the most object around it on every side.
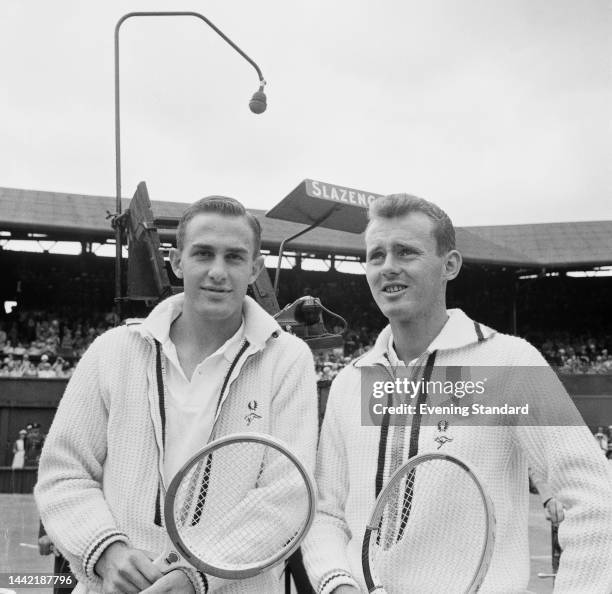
(327, 205)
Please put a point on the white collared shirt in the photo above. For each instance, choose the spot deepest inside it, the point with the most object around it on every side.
(394, 359)
(451, 327)
(190, 404)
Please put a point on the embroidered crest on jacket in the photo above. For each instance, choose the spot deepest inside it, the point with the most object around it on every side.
(252, 415)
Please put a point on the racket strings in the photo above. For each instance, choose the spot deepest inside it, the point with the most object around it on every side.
(407, 503)
(226, 522)
(407, 487)
(203, 490)
(435, 544)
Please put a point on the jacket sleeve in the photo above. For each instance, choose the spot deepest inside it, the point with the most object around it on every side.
(69, 488)
(561, 450)
(325, 547)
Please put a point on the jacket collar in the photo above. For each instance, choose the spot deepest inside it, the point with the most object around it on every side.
(259, 326)
(458, 332)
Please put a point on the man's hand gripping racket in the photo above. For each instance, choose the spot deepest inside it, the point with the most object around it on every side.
(238, 507)
(432, 529)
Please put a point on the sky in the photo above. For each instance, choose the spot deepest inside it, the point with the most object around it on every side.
(497, 110)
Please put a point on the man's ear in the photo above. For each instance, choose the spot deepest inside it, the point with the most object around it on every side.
(258, 265)
(175, 262)
(452, 265)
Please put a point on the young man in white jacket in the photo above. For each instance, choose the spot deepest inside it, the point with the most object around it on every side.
(146, 396)
(410, 258)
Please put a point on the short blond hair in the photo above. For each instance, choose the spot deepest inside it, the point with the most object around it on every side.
(399, 205)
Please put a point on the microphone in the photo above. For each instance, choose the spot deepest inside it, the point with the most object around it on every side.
(258, 102)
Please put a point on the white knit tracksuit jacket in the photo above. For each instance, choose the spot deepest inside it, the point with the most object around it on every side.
(355, 461)
(100, 476)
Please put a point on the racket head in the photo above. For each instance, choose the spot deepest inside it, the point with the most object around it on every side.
(400, 531)
(240, 506)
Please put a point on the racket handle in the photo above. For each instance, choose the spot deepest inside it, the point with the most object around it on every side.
(556, 548)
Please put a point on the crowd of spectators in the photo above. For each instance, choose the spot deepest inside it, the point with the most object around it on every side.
(568, 355)
(46, 344)
(580, 354)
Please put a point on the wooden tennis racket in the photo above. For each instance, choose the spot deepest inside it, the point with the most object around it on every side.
(238, 507)
(432, 529)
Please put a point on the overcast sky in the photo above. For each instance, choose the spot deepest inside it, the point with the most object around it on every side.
(498, 110)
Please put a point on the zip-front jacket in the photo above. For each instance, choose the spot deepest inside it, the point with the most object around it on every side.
(355, 461)
(100, 476)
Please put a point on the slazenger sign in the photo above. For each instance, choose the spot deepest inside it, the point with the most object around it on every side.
(318, 189)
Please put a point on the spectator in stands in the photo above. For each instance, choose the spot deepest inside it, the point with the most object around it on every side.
(62, 368)
(580, 354)
(28, 369)
(44, 367)
(33, 349)
(8, 366)
(14, 369)
(67, 342)
(79, 342)
(91, 336)
(19, 350)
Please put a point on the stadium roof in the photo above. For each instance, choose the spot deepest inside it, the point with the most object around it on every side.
(77, 217)
(562, 245)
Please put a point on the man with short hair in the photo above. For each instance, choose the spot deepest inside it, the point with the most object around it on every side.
(410, 258)
(148, 395)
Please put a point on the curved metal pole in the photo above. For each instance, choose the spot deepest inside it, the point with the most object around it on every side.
(285, 241)
(118, 231)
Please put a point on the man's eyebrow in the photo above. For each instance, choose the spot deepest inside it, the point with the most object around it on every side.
(238, 250)
(406, 244)
(206, 246)
(396, 244)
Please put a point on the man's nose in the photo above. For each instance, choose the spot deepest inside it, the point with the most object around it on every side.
(389, 266)
(218, 270)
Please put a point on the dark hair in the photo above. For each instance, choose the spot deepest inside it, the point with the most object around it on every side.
(223, 205)
(398, 205)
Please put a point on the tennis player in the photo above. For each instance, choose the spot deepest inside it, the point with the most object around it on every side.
(147, 395)
(410, 258)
